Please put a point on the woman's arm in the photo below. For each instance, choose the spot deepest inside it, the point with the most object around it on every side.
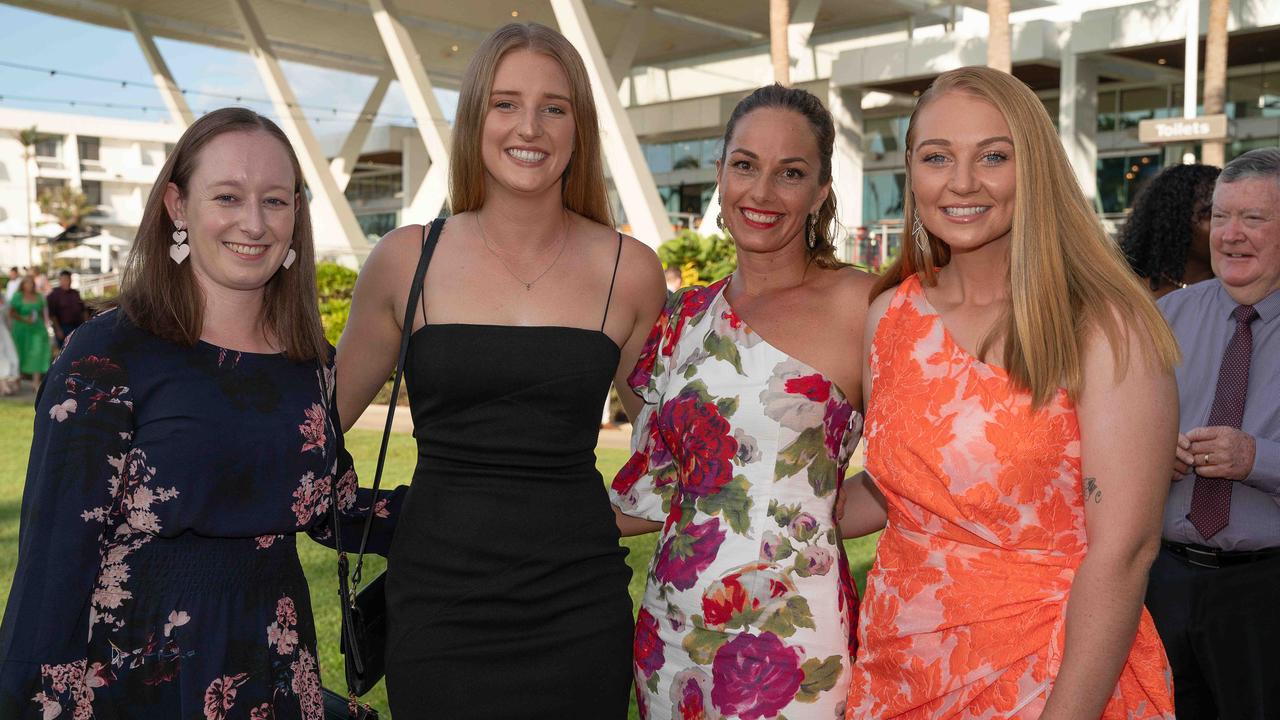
(864, 507)
(644, 289)
(370, 343)
(1128, 430)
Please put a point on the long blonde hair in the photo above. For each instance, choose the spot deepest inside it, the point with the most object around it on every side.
(582, 187)
(1066, 276)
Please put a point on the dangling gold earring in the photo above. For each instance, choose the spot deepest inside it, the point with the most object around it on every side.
(812, 232)
(921, 237)
(720, 223)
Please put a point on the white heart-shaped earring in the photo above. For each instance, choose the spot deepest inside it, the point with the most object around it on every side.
(179, 236)
(179, 252)
(289, 257)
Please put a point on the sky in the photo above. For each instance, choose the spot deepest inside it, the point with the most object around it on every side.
(45, 41)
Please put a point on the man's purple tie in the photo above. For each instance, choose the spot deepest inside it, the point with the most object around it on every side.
(1211, 497)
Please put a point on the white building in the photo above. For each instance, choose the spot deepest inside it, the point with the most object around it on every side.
(667, 73)
(113, 162)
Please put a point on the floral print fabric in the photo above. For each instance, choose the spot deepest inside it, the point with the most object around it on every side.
(964, 614)
(157, 570)
(739, 452)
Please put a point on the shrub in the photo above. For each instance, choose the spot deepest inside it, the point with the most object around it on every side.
(334, 284)
(702, 259)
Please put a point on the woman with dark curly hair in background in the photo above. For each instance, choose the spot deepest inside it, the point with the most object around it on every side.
(1166, 238)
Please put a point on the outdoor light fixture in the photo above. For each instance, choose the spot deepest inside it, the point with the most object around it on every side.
(1162, 61)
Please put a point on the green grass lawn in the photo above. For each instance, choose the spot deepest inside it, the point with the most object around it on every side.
(318, 561)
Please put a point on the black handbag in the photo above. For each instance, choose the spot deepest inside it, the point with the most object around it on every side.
(364, 610)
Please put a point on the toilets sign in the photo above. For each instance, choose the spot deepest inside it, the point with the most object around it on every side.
(1166, 130)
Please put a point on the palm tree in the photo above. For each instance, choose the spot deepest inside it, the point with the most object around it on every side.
(28, 138)
(67, 205)
(779, 19)
(999, 52)
(1215, 76)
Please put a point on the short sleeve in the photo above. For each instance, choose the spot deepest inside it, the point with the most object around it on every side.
(80, 461)
(638, 488)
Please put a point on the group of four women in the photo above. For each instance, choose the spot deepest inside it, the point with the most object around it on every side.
(1015, 381)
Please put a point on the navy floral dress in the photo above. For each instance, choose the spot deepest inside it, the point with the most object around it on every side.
(157, 574)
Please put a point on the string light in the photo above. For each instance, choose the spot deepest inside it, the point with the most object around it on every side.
(125, 84)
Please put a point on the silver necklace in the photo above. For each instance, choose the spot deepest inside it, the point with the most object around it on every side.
(528, 284)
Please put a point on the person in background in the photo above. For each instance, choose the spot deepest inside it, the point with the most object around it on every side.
(10, 372)
(675, 280)
(66, 309)
(1019, 428)
(1166, 238)
(41, 280)
(184, 440)
(29, 321)
(15, 276)
(1215, 586)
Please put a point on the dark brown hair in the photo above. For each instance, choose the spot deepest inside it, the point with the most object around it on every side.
(164, 298)
(824, 133)
(582, 186)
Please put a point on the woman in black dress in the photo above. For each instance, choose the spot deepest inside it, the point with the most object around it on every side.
(182, 440)
(507, 590)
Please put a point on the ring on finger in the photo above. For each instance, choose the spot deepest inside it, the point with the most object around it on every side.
(1206, 458)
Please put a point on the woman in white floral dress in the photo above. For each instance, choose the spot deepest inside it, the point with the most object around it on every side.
(743, 442)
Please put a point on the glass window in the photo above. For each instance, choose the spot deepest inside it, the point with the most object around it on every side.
(92, 190)
(884, 137)
(882, 196)
(658, 156)
(1239, 147)
(710, 152)
(1107, 110)
(1254, 95)
(44, 185)
(49, 146)
(687, 155)
(1120, 179)
(1141, 104)
(88, 147)
(376, 225)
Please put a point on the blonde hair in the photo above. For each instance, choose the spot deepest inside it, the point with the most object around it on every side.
(164, 298)
(1066, 276)
(582, 187)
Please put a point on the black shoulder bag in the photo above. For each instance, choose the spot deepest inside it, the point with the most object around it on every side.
(364, 610)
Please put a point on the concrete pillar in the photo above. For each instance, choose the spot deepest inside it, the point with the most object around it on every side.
(344, 163)
(71, 151)
(179, 111)
(800, 29)
(645, 212)
(1078, 119)
(404, 56)
(624, 53)
(847, 159)
(1191, 61)
(336, 231)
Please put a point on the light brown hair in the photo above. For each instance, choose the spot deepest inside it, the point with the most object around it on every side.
(1066, 276)
(582, 187)
(163, 297)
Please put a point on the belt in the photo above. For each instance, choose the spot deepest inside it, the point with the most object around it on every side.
(1207, 557)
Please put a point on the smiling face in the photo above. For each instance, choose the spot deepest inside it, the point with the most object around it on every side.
(769, 179)
(528, 135)
(1244, 237)
(962, 171)
(239, 209)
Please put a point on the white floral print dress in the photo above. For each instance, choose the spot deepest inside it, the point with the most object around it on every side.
(739, 451)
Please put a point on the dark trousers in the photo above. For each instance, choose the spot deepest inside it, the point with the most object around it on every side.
(1221, 630)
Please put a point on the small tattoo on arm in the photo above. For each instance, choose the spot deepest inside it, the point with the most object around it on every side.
(1091, 490)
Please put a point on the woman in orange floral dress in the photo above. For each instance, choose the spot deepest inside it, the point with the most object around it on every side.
(1022, 411)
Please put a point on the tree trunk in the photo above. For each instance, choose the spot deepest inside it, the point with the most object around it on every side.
(779, 19)
(1215, 76)
(999, 52)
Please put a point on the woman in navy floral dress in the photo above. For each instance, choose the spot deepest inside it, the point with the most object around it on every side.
(171, 469)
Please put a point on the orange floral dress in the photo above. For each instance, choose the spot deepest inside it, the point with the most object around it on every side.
(965, 606)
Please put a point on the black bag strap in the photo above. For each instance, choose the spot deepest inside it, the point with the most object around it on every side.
(430, 239)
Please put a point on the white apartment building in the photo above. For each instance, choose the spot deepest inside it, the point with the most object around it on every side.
(113, 162)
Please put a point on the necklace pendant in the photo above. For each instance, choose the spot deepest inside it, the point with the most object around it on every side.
(528, 287)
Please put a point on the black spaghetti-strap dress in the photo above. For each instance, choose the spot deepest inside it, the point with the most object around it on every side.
(506, 586)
